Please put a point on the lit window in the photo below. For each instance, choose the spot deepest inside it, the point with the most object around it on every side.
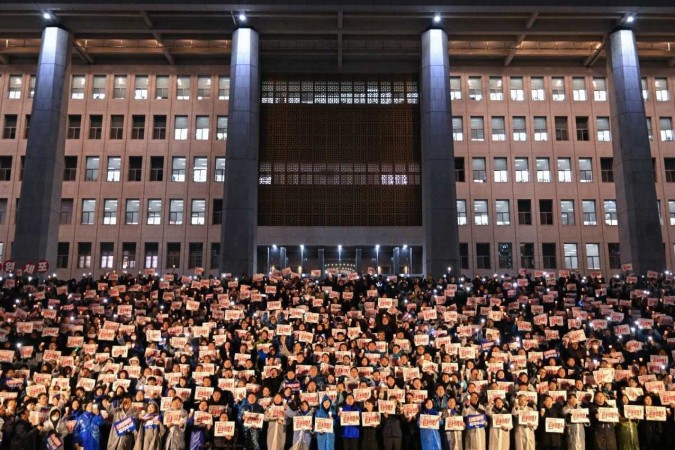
(537, 87)
(202, 131)
(593, 256)
(661, 88)
(181, 128)
(564, 170)
(154, 212)
(579, 89)
(461, 212)
(183, 88)
(198, 212)
(522, 169)
(98, 91)
(457, 129)
(88, 211)
(455, 88)
(519, 129)
(588, 207)
(599, 89)
(15, 84)
(611, 217)
(496, 89)
(517, 89)
(498, 129)
(558, 89)
(110, 212)
(141, 83)
(475, 88)
(200, 170)
(503, 212)
(480, 212)
(77, 88)
(500, 170)
(571, 258)
(120, 87)
(176, 212)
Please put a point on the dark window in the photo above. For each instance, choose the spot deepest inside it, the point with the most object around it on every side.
(66, 217)
(22, 166)
(546, 212)
(156, 168)
(217, 211)
(483, 255)
(95, 126)
(614, 252)
(582, 129)
(84, 255)
(505, 255)
(135, 168)
(151, 255)
(195, 255)
(3, 210)
(106, 255)
(561, 133)
(138, 127)
(669, 164)
(26, 128)
(524, 212)
(173, 255)
(70, 168)
(527, 255)
(460, 174)
(128, 255)
(654, 168)
(548, 255)
(116, 127)
(62, 252)
(215, 255)
(9, 131)
(464, 255)
(74, 126)
(5, 168)
(159, 127)
(607, 170)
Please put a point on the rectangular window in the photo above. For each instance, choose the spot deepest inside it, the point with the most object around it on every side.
(582, 129)
(546, 212)
(669, 165)
(217, 212)
(98, 90)
(176, 212)
(548, 254)
(74, 126)
(77, 87)
(9, 130)
(564, 170)
(503, 210)
(219, 172)
(159, 127)
(671, 211)
(500, 170)
(567, 212)
(84, 255)
(70, 168)
(138, 127)
(650, 132)
(183, 88)
(658, 208)
(457, 128)
(15, 85)
(221, 128)
(480, 212)
(571, 259)
(558, 89)
(475, 88)
(62, 253)
(461, 212)
(128, 255)
(200, 170)
(132, 211)
(645, 89)
(496, 89)
(66, 212)
(223, 88)
(527, 255)
(5, 168)
(173, 255)
(517, 89)
(117, 127)
(141, 84)
(479, 170)
(178, 169)
(561, 132)
(114, 169)
(505, 255)
(599, 90)
(464, 255)
(3, 210)
(180, 128)
(215, 255)
(455, 88)
(120, 87)
(195, 255)
(661, 89)
(110, 211)
(477, 129)
(524, 212)
(611, 217)
(198, 212)
(588, 207)
(522, 169)
(592, 256)
(579, 89)
(154, 212)
(540, 129)
(135, 168)
(483, 255)
(614, 252)
(161, 87)
(88, 211)
(26, 126)
(91, 169)
(585, 170)
(607, 170)
(602, 124)
(31, 86)
(666, 128)
(543, 170)
(156, 168)
(203, 88)
(498, 128)
(202, 128)
(537, 89)
(95, 126)
(151, 255)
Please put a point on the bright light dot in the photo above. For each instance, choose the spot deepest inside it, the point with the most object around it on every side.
(437, 18)
(630, 19)
(242, 17)
(46, 16)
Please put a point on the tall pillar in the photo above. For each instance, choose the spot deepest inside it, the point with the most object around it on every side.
(283, 263)
(37, 224)
(321, 256)
(638, 216)
(439, 193)
(240, 196)
(357, 260)
(396, 261)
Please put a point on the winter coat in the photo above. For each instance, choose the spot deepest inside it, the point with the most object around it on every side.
(351, 431)
(86, 433)
(149, 434)
(126, 441)
(326, 441)
(175, 435)
(431, 439)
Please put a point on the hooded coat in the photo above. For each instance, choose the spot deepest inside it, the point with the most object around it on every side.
(150, 432)
(86, 433)
(50, 427)
(326, 441)
(431, 439)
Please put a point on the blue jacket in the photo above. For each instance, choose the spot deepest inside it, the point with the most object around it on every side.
(351, 431)
(86, 432)
(431, 439)
(326, 441)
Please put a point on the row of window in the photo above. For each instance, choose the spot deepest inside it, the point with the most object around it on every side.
(142, 86)
(113, 169)
(117, 127)
(106, 255)
(539, 86)
(344, 92)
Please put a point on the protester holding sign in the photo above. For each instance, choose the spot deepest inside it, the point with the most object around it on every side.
(150, 429)
(650, 433)
(549, 440)
(302, 438)
(575, 429)
(476, 421)
(175, 420)
(350, 433)
(87, 429)
(604, 437)
(526, 423)
(276, 416)
(454, 425)
(325, 439)
(500, 429)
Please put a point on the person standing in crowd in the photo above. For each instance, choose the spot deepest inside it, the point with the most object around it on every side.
(431, 438)
(525, 437)
(54, 425)
(626, 429)
(650, 432)
(475, 437)
(392, 432)
(324, 440)
(302, 439)
(24, 436)
(604, 437)
(350, 433)
(87, 428)
(500, 436)
(124, 440)
(549, 440)
(276, 426)
(453, 438)
(370, 439)
(175, 436)
(150, 429)
(575, 432)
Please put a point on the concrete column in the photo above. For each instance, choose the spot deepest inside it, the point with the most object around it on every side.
(283, 262)
(638, 217)
(396, 261)
(322, 261)
(357, 260)
(240, 196)
(439, 193)
(37, 225)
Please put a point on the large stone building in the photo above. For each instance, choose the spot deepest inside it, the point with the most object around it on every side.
(404, 136)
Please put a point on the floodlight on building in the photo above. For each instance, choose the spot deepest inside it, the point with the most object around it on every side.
(437, 18)
(47, 15)
(630, 19)
(242, 17)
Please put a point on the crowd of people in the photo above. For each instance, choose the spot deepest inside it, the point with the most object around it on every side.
(337, 361)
